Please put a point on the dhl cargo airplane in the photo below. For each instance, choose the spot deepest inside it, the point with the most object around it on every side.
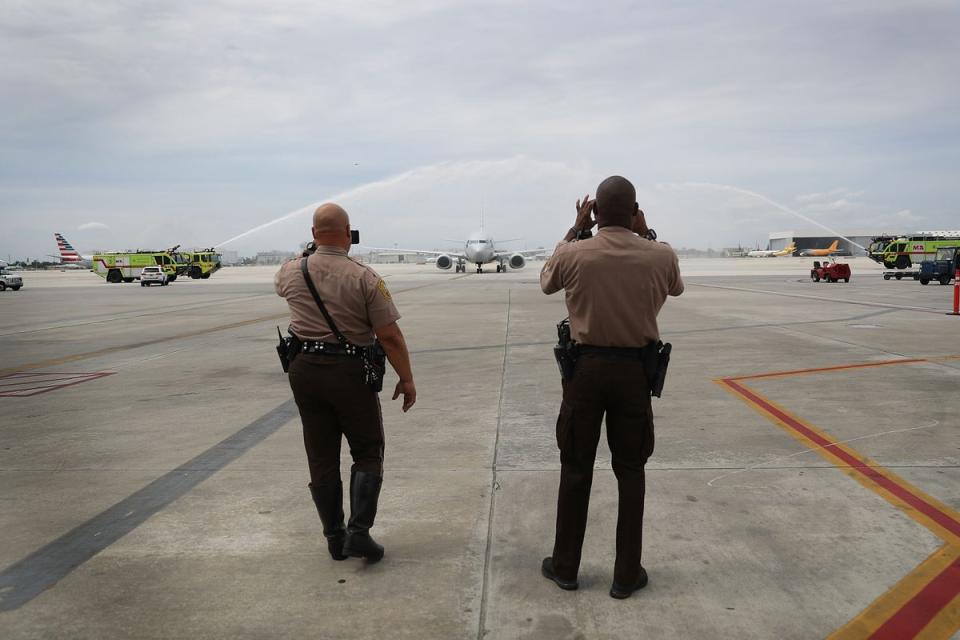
(772, 253)
(832, 249)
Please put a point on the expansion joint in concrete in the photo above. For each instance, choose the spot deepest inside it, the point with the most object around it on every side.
(494, 484)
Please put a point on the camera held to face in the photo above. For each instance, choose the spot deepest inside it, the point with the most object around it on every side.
(311, 247)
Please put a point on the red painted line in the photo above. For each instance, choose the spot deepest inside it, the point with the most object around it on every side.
(862, 365)
(861, 467)
(912, 617)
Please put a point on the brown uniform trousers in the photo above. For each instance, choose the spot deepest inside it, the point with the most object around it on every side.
(335, 402)
(616, 386)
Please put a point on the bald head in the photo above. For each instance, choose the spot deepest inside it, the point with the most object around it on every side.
(331, 226)
(616, 202)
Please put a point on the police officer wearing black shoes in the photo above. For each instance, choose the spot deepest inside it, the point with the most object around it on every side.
(339, 309)
(615, 282)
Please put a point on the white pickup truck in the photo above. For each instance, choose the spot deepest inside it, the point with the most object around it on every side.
(9, 280)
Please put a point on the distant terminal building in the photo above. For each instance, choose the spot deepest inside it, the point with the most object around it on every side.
(274, 257)
(397, 257)
(821, 240)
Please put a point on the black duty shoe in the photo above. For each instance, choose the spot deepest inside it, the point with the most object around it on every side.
(618, 592)
(364, 494)
(547, 570)
(329, 502)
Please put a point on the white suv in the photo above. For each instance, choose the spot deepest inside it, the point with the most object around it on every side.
(152, 275)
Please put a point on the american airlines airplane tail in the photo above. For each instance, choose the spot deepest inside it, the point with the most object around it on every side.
(68, 255)
(67, 252)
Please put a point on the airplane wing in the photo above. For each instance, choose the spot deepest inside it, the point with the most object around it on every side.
(527, 252)
(452, 254)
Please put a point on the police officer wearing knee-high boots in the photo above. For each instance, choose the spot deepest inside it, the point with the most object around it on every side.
(329, 376)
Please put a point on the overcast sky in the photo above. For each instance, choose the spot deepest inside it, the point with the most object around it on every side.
(145, 124)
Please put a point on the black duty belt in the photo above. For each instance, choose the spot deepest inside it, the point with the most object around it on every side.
(330, 348)
(618, 352)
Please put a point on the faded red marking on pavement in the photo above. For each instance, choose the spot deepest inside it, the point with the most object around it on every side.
(43, 382)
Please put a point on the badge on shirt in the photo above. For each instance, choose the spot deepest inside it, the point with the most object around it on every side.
(382, 286)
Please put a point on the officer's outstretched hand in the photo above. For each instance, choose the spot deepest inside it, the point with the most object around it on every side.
(409, 391)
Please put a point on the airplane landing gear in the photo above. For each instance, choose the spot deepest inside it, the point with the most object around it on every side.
(479, 268)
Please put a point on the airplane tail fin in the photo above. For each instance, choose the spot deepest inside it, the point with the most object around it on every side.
(833, 247)
(67, 253)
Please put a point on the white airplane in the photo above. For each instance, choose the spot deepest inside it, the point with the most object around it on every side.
(772, 253)
(479, 249)
(69, 258)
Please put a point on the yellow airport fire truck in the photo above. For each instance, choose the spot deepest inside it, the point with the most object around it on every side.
(202, 263)
(903, 252)
(126, 266)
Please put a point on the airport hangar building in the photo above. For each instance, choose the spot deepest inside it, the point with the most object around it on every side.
(782, 239)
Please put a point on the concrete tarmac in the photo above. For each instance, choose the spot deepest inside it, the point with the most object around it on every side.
(153, 482)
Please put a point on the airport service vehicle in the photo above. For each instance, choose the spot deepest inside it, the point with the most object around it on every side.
(9, 280)
(901, 274)
(203, 263)
(153, 275)
(830, 271)
(126, 266)
(942, 268)
(905, 251)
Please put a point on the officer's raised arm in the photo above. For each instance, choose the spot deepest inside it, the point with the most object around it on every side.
(676, 287)
(551, 279)
(393, 343)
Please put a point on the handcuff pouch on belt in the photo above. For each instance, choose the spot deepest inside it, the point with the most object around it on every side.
(373, 358)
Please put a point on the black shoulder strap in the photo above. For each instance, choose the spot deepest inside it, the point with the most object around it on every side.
(323, 309)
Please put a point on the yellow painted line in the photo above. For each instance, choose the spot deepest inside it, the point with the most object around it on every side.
(932, 589)
(881, 609)
(852, 463)
(944, 624)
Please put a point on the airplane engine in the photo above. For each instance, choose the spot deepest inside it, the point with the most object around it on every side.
(517, 261)
(444, 262)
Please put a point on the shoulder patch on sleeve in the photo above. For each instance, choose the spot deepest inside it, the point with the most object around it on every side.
(382, 286)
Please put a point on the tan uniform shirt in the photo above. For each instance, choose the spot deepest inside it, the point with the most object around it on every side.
(355, 296)
(615, 283)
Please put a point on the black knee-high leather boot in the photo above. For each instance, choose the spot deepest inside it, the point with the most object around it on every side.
(329, 501)
(364, 494)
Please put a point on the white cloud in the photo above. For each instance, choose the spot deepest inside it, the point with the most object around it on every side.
(218, 115)
(89, 226)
